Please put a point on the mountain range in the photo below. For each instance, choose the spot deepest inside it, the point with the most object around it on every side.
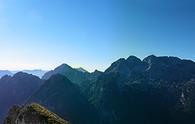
(36, 72)
(76, 75)
(155, 90)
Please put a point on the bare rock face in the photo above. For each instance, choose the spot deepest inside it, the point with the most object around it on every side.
(32, 114)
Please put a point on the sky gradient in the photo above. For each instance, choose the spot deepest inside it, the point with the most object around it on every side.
(93, 33)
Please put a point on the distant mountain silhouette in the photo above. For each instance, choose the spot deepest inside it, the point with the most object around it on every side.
(5, 72)
(77, 75)
(16, 90)
(36, 72)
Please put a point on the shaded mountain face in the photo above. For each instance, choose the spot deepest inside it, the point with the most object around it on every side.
(5, 72)
(16, 90)
(135, 103)
(32, 114)
(127, 66)
(63, 97)
(77, 76)
(155, 90)
(170, 68)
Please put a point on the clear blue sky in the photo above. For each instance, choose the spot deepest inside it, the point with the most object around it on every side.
(93, 33)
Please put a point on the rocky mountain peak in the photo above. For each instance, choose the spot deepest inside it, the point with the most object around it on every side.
(63, 67)
(133, 59)
(149, 59)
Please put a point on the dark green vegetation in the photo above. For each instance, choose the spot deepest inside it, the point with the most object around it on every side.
(60, 95)
(156, 90)
(33, 113)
